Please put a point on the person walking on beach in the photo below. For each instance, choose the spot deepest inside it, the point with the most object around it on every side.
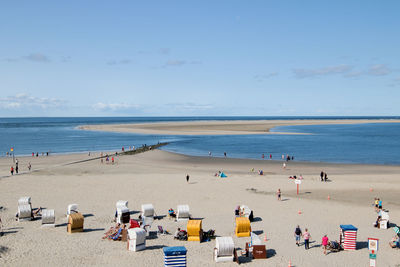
(187, 178)
(209, 153)
(322, 176)
(270, 156)
(325, 177)
(12, 170)
(225, 154)
(279, 194)
(324, 243)
(297, 235)
(16, 169)
(262, 156)
(307, 238)
(284, 165)
(29, 166)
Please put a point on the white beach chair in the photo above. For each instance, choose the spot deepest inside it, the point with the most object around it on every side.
(148, 210)
(136, 239)
(48, 218)
(224, 249)
(182, 213)
(123, 214)
(24, 209)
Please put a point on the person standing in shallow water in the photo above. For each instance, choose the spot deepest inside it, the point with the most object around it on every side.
(322, 176)
(187, 178)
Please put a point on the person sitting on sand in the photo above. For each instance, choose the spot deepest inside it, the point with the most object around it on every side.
(376, 204)
(377, 223)
(37, 212)
(171, 213)
(237, 211)
(176, 235)
(395, 243)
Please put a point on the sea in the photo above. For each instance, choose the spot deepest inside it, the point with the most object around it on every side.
(369, 143)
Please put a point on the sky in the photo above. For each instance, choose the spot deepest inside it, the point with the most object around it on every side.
(199, 58)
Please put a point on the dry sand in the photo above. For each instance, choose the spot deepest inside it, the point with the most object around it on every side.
(158, 177)
(217, 127)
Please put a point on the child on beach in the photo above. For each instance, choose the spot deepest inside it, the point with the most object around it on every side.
(278, 194)
(324, 243)
(307, 238)
(12, 170)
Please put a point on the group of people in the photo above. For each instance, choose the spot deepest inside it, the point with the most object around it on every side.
(16, 169)
(324, 176)
(288, 157)
(298, 234)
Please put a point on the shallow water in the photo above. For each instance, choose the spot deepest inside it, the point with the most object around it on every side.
(363, 143)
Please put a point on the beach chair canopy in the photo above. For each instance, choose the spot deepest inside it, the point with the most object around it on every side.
(24, 211)
(243, 227)
(24, 201)
(137, 233)
(148, 210)
(72, 208)
(121, 203)
(348, 227)
(183, 211)
(245, 210)
(224, 245)
(48, 216)
(194, 230)
(223, 175)
(384, 215)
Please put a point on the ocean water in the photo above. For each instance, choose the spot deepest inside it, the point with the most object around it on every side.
(370, 143)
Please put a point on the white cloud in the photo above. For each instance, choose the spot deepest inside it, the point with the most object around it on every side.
(23, 100)
(305, 73)
(262, 77)
(115, 107)
(179, 63)
(37, 57)
(378, 70)
(119, 62)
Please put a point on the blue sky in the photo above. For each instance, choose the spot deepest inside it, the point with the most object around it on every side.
(183, 58)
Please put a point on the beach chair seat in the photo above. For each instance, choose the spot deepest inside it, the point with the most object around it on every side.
(75, 223)
(182, 212)
(48, 218)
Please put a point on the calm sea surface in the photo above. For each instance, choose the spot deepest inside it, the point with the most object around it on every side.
(364, 143)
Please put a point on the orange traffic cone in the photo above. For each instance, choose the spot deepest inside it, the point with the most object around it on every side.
(329, 197)
(290, 263)
(265, 238)
(299, 211)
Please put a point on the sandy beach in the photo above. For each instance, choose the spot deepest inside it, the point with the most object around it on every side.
(218, 127)
(158, 177)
